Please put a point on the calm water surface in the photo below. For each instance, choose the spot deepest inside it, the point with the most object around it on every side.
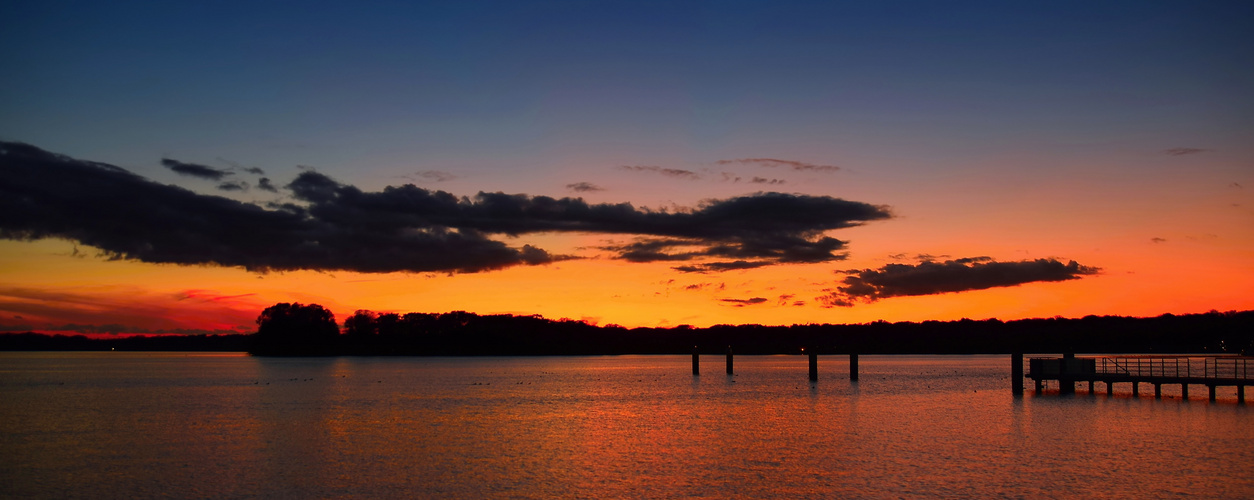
(121, 425)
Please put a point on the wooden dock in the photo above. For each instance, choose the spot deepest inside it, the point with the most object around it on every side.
(1210, 371)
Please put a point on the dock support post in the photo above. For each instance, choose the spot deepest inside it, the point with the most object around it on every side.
(1158, 390)
(853, 367)
(1110, 388)
(1184, 392)
(696, 361)
(1212, 393)
(729, 360)
(814, 366)
(1016, 374)
(1066, 384)
(1136, 389)
(1240, 394)
(1090, 387)
(1038, 385)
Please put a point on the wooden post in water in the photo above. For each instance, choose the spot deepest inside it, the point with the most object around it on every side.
(729, 360)
(1016, 374)
(1212, 393)
(1184, 391)
(1158, 390)
(814, 366)
(1110, 388)
(1090, 386)
(1136, 388)
(853, 367)
(696, 361)
(1240, 394)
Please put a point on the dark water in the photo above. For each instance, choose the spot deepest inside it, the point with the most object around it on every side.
(122, 425)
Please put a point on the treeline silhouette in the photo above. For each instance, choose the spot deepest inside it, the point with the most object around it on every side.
(303, 330)
(295, 329)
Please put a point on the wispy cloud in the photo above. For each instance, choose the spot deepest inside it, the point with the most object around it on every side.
(676, 173)
(584, 187)
(959, 275)
(776, 163)
(233, 186)
(718, 267)
(1184, 151)
(745, 302)
(195, 170)
(432, 176)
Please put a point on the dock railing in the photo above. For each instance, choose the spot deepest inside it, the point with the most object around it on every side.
(1205, 367)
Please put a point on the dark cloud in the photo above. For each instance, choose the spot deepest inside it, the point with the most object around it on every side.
(1184, 151)
(336, 226)
(958, 275)
(583, 187)
(718, 267)
(763, 180)
(652, 250)
(195, 170)
(774, 163)
(1158, 240)
(669, 172)
(45, 195)
(753, 231)
(745, 302)
(233, 186)
(772, 227)
(264, 184)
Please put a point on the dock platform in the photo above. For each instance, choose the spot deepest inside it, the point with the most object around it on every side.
(1210, 371)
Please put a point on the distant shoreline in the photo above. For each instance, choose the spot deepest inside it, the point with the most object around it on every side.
(503, 335)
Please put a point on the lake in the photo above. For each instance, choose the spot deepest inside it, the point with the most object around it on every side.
(214, 425)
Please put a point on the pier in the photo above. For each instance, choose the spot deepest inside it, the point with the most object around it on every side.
(813, 359)
(1209, 371)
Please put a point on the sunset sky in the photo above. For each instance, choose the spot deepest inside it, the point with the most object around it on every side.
(176, 167)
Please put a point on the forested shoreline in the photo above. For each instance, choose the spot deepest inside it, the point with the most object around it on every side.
(304, 330)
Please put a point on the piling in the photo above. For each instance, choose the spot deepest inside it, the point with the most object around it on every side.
(729, 360)
(1110, 388)
(696, 361)
(1016, 374)
(1212, 393)
(1066, 385)
(1136, 388)
(1158, 391)
(1184, 391)
(1240, 394)
(853, 367)
(814, 366)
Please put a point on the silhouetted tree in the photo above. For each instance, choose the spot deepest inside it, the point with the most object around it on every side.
(296, 330)
(361, 324)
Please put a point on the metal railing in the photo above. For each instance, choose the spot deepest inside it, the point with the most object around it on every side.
(1214, 367)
